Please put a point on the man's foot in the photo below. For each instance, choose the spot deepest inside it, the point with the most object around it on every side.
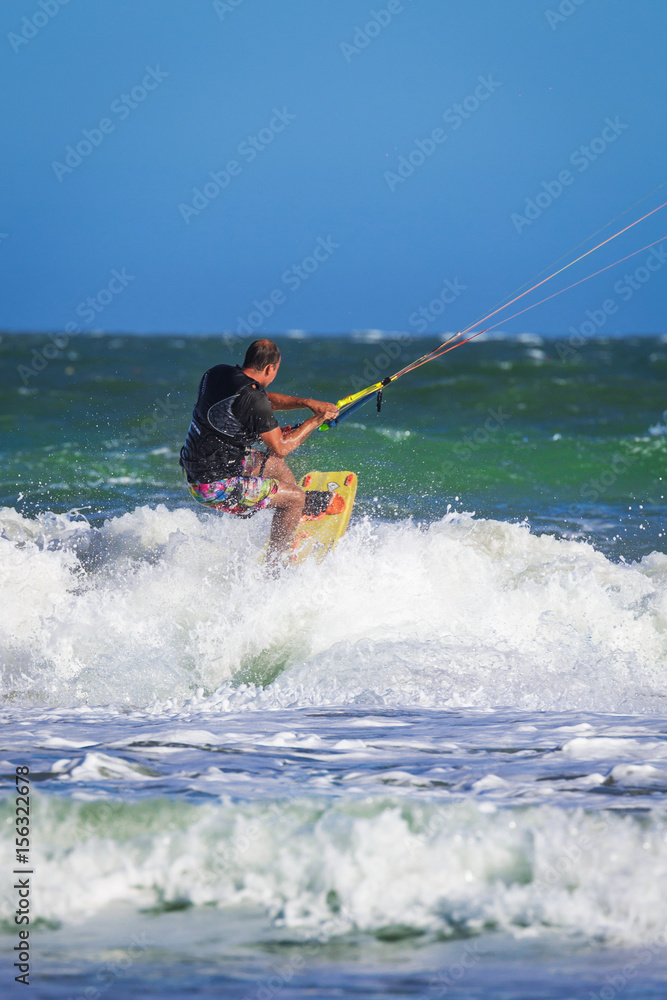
(321, 502)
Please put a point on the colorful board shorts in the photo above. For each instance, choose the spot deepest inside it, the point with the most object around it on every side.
(242, 495)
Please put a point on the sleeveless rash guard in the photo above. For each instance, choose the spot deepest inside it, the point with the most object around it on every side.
(230, 414)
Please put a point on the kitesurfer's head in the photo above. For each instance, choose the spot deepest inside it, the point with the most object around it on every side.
(262, 361)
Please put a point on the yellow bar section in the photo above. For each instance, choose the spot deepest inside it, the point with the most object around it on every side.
(357, 395)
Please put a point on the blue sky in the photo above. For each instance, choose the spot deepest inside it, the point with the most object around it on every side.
(304, 111)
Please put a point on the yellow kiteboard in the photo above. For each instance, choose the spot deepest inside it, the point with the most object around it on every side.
(317, 536)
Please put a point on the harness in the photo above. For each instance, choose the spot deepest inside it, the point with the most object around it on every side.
(217, 444)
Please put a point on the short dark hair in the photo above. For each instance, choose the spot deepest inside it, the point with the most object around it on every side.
(260, 354)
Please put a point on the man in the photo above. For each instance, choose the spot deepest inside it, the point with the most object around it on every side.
(222, 469)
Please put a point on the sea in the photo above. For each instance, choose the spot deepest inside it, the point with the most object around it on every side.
(432, 765)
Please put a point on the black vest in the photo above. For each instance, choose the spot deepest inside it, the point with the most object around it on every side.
(217, 441)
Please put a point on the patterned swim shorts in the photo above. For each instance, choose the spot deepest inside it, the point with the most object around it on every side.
(242, 495)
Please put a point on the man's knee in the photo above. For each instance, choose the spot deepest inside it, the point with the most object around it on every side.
(298, 497)
(292, 499)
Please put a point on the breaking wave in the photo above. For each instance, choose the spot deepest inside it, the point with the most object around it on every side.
(168, 606)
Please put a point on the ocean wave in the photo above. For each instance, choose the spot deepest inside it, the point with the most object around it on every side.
(376, 865)
(159, 603)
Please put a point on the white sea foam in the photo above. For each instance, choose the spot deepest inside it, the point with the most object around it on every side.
(156, 604)
(326, 868)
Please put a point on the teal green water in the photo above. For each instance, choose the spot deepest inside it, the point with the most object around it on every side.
(573, 440)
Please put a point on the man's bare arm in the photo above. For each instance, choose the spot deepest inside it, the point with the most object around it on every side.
(281, 402)
(281, 444)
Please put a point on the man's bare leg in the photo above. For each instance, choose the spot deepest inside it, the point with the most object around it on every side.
(288, 502)
(277, 468)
